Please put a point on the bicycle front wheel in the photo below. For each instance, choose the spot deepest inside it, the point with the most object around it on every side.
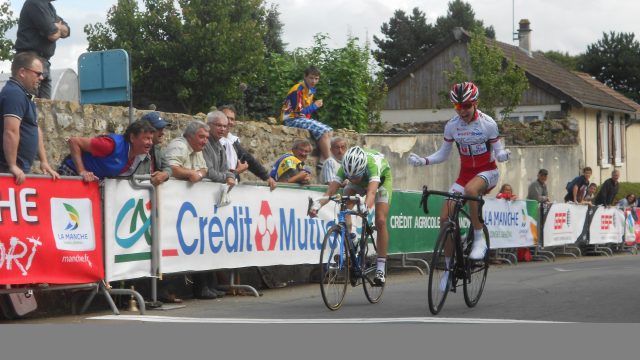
(441, 269)
(475, 271)
(334, 268)
(369, 253)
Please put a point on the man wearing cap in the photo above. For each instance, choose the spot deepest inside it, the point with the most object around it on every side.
(155, 164)
(538, 189)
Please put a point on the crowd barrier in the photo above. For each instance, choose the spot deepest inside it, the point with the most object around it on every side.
(51, 237)
(61, 233)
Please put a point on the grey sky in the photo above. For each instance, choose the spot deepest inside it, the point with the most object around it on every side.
(562, 25)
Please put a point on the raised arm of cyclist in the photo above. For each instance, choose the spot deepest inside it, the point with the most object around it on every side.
(478, 141)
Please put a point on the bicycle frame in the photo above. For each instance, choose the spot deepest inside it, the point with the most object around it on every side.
(452, 222)
(342, 223)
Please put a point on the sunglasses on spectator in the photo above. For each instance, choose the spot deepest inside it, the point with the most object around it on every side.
(465, 106)
(39, 73)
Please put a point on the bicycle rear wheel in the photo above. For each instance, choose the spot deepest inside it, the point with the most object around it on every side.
(369, 258)
(334, 268)
(442, 264)
(475, 271)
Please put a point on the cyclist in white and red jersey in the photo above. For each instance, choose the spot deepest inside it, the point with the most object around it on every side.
(478, 141)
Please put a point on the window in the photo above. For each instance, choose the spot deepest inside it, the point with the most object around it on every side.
(611, 133)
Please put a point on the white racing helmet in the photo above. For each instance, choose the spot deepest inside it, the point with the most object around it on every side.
(354, 162)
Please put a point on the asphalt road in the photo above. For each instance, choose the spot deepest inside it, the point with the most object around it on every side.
(588, 289)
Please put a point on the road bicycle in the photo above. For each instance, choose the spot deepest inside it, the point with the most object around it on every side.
(450, 261)
(345, 259)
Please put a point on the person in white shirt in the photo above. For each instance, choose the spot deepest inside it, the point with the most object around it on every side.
(331, 165)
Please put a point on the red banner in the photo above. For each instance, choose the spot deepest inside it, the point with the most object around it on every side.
(50, 232)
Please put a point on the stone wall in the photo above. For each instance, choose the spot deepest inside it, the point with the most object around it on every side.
(60, 120)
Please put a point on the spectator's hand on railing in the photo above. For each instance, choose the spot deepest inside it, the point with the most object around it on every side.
(46, 169)
(88, 176)
(195, 176)
(231, 182)
(158, 177)
(272, 183)
(18, 174)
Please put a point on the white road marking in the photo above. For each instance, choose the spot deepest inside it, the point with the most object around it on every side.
(172, 319)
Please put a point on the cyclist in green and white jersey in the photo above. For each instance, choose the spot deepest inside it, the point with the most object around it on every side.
(368, 173)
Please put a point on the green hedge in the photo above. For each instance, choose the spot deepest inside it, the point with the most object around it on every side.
(627, 188)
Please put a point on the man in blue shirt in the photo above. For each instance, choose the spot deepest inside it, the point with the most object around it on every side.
(22, 139)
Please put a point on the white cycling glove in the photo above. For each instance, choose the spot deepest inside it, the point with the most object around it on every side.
(503, 155)
(416, 160)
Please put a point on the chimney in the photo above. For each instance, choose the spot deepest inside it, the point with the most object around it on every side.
(524, 36)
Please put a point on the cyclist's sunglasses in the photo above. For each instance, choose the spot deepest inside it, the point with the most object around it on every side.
(465, 106)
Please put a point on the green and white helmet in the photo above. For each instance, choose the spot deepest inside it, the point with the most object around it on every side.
(354, 162)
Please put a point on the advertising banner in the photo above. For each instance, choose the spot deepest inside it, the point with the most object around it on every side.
(127, 231)
(632, 226)
(564, 224)
(607, 226)
(509, 223)
(410, 229)
(50, 232)
(258, 227)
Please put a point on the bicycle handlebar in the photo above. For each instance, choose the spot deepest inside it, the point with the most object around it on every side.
(453, 196)
(337, 198)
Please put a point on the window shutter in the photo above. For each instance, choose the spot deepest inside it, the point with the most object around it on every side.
(599, 138)
(623, 135)
(612, 143)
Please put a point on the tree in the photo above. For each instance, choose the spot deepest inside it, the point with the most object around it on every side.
(350, 85)
(273, 36)
(406, 38)
(615, 61)
(7, 21)
(186, 55)
(460, 14)
(563, 59)
(500, 81)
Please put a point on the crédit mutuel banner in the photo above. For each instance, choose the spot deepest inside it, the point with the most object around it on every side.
(50, 231)
(258, 228)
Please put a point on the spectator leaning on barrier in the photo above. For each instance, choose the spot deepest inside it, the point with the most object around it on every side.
(506, 193)
(155, 164)
(590, 195)
(577, 188)
(298, 108)
(214, 153)
(22, 139)
(236, 166)
(290, 167)
(39, 28)
(538, 189)
(186, 158)
(184, 153)
(255, 167)
(627, 201)
(608, 190)
(332, 164)
(108, 155)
